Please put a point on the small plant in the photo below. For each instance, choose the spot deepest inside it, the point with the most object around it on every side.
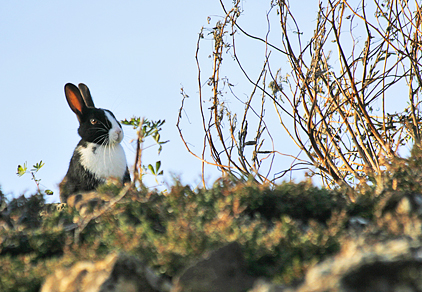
(146, 128)
(35, 168)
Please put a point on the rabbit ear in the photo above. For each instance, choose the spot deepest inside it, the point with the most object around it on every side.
(86, 95)
(75, 100)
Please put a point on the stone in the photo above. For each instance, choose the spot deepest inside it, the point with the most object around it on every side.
(222, 270)
(394, 265)
(85, 203)
(116, 273)
(262, 285)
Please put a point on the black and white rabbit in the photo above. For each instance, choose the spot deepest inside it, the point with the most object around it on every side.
(98, 155)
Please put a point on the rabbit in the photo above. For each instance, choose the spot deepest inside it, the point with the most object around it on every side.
(99, 154)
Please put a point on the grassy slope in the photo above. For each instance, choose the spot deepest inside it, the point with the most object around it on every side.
(282, 230)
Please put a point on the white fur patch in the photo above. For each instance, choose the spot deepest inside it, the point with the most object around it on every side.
(115, 134)
(104, 161)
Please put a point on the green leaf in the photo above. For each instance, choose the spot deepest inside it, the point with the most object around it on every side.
(151, 168)
(22, 169)
(37, 166)
(157, 137)
(49, 192)
(157, 165)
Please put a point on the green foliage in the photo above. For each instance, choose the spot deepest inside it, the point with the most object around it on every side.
(147, 128)
(170, 230)
(22, 170)
(283, 229)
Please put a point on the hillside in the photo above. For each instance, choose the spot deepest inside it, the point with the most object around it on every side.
(281, 233)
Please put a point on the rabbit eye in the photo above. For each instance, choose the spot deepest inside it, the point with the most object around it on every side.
(93, 121)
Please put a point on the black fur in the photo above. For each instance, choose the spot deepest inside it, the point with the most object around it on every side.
(126, 177)
(97, 133)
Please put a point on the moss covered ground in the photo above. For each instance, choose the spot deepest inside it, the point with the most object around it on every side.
(282, 229)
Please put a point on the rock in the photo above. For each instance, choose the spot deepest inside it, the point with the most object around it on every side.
(262, 285)
(85, 203)
(400, 214)
(116, 273)
(223, 270)
(403, 203)
(395, 265)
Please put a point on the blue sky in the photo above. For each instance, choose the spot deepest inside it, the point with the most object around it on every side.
(134, 56)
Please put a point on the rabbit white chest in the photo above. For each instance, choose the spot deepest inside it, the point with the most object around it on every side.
(103, 161)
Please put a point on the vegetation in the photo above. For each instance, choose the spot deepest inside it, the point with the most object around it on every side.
(345, 91)
(282, 229)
